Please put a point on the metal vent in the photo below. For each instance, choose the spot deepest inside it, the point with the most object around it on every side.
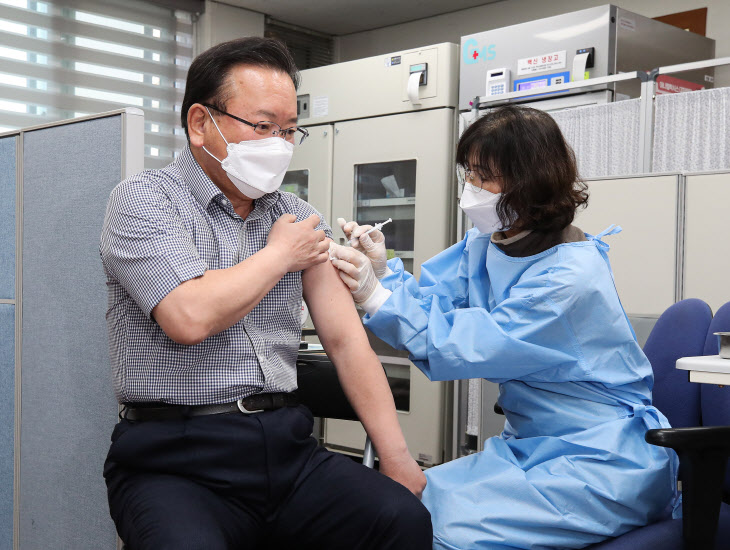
(309, 48)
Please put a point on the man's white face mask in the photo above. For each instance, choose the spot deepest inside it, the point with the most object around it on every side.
(256, 167)
(481, 207)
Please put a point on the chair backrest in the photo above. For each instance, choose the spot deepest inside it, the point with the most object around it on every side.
(680, 331)
(715, 401)
(720, 323)
(319, 388)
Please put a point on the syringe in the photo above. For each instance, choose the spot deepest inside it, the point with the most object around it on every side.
(377, 226)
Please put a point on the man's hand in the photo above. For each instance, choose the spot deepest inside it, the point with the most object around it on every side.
(356, 271)
(298, 244)
(403, 469)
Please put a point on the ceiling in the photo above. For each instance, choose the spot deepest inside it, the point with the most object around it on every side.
(338, 17)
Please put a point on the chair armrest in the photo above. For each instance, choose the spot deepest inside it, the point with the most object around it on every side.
(703, 454)
(703, 438)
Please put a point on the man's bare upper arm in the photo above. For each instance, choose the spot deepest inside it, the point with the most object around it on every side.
(331, 307)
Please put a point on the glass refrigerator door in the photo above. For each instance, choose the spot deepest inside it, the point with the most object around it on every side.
(297, 182)
(387, 190)
(400, 167)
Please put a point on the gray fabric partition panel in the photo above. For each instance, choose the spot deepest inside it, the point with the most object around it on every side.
(7, 424)
(68, 408)
(643, 325)
(7, 218)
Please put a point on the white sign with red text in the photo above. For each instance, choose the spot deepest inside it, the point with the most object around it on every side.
(541, 63)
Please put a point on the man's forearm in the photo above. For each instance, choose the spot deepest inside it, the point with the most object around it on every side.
(207, 305)
(363, 379)
(361, 374)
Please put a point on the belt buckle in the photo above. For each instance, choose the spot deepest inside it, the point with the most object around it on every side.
(244, 410)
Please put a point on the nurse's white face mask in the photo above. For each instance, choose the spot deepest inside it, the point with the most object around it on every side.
(256, 167)
(481, 207)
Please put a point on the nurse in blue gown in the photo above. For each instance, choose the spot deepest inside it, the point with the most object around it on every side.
(525, 300)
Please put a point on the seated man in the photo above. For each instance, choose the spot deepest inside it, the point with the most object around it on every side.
(206, 263)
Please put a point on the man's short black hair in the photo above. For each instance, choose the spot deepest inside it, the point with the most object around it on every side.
(206, 81)
(524, 149)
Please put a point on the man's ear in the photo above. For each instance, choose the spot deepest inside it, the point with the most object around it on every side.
(197, 119)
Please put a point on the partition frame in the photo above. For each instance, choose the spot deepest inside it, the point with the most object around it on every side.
(681, 236)
(691, 66)
(18, 332)
(646, 124)
(132, 162)
(683, 222)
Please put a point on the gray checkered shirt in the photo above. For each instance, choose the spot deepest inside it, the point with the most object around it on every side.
(164, 227)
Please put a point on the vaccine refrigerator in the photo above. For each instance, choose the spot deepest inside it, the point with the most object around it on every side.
(381, 145)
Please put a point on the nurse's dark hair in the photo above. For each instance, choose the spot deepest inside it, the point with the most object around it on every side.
(524, 149)
(207, 80)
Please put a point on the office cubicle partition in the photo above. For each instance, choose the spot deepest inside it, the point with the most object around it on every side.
(55, 380)
(646, 255)
(674, 239)
(7, 337)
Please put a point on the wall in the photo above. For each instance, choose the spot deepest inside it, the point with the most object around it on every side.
(451, 27)
(222, 22)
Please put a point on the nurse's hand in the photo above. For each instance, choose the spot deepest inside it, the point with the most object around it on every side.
(372, 244)
(357, 273)
(404, 470)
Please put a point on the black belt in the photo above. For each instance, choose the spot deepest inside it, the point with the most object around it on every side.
(258, 402)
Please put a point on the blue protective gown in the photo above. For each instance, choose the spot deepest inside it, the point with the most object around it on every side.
(571, 467)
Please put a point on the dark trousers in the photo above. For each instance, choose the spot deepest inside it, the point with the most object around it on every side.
(239, 482)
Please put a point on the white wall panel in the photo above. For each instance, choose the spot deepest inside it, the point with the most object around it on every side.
(707, 250)
(643, 255)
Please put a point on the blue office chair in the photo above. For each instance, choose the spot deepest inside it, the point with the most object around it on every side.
(703, 451)
(680, 331)
(720, 323)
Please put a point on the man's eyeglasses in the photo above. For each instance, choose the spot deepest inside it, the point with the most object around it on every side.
(266, 128)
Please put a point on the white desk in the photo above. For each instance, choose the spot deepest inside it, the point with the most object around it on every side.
(706, 369)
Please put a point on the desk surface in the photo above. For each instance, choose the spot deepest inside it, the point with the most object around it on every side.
(706, 369)
(705, 363)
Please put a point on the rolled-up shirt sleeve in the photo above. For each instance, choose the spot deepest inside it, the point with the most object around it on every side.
(145, 244)
(304, 210)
